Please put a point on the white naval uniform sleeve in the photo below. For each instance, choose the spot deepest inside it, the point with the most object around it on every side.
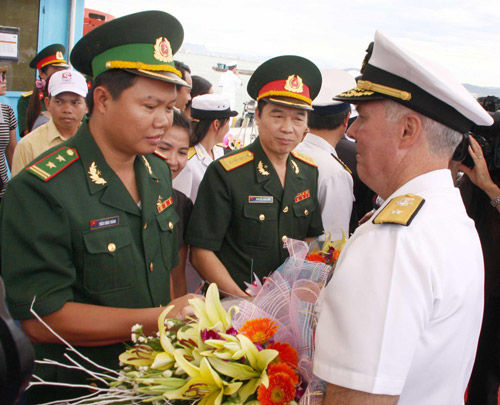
(374, 310)
(335, 198)
(184, 181)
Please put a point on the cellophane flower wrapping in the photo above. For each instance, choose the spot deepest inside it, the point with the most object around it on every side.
(290, 298)
(238, 351)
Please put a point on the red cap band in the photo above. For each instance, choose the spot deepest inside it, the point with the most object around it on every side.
(292, 87)
(50, 60)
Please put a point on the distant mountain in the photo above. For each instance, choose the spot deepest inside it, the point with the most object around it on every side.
(478, 91)
(483, 91)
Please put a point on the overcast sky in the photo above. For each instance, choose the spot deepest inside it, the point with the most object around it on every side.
(463, 36)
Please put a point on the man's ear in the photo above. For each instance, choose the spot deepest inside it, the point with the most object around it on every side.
(345, 123)
(102, 97)
(411, 130)
(46, 101)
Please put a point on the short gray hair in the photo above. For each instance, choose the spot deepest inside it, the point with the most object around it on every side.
(442, 139)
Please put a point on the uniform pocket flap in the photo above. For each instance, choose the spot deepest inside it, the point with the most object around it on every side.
(107, 240)
(168, 220)
(304, 208)
(260, 212)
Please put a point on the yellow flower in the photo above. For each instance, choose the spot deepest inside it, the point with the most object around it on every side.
(205, 383)
(211, 313)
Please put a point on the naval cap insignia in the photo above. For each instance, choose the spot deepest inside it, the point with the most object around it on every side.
(59, 55)
(294, 84)
(163, 50)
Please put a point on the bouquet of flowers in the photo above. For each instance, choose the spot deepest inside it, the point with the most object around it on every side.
(232, 352)
(232, 141)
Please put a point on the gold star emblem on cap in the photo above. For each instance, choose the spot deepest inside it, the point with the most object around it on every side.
(163, 50)
(294, 84)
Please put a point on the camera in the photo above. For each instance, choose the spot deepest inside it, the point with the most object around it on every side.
(489, 140)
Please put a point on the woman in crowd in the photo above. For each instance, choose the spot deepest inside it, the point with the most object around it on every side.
(210, 114)
(8, 140)
(199, 87)
(174, 147)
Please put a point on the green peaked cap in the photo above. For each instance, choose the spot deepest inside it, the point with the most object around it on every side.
(142, 43)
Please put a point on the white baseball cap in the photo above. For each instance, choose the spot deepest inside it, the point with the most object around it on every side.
(67, 81)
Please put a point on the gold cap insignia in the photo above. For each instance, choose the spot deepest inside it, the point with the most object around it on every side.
(294, 84)
(163, 50)
(59, 55)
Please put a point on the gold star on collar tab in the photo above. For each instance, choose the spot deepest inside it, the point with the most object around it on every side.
(261, 167)
(95, 175)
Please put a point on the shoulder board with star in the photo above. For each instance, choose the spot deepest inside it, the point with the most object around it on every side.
(191, 152)
(304, 158)
(53, 164)
(160, 155)
(27, 94)
(400, 210)
(238, 159)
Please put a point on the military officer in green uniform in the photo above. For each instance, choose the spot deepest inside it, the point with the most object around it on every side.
(88, 229)
(251, 201)
(49, 60)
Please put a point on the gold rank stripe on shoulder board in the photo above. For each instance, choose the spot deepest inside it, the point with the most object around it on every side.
(27, 94)
(304, 158)
(191, 152)
(233, 161)
(54, 163)
(400, 210)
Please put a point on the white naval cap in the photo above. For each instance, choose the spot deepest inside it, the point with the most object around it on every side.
(211, 106)
(418, 83)
(334, 81)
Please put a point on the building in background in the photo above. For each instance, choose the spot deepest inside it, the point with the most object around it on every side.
(40, 23)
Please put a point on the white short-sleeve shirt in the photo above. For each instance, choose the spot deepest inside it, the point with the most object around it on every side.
(402, 312)
(189, 179)
(335, 185)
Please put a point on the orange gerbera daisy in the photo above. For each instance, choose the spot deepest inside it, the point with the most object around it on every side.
(281, 390)
(283, 368)
(314, 257)
(259, 330)
(286, 354)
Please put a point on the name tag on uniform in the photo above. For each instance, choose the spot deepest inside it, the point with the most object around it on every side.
(261, 199)
(160, 206)
(302, 196)
(104, 222)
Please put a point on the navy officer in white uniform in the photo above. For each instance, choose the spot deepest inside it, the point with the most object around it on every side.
(327, 124)
(400, 318)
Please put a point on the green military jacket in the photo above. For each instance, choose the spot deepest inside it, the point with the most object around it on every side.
(243, 214)
(70, 231)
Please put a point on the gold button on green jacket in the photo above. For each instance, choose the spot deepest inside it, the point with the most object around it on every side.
(242, 213)
(70, 231)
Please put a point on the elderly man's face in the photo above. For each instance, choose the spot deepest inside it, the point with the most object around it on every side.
(377, 145)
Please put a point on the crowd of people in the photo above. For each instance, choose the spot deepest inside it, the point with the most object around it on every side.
(123, 200)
